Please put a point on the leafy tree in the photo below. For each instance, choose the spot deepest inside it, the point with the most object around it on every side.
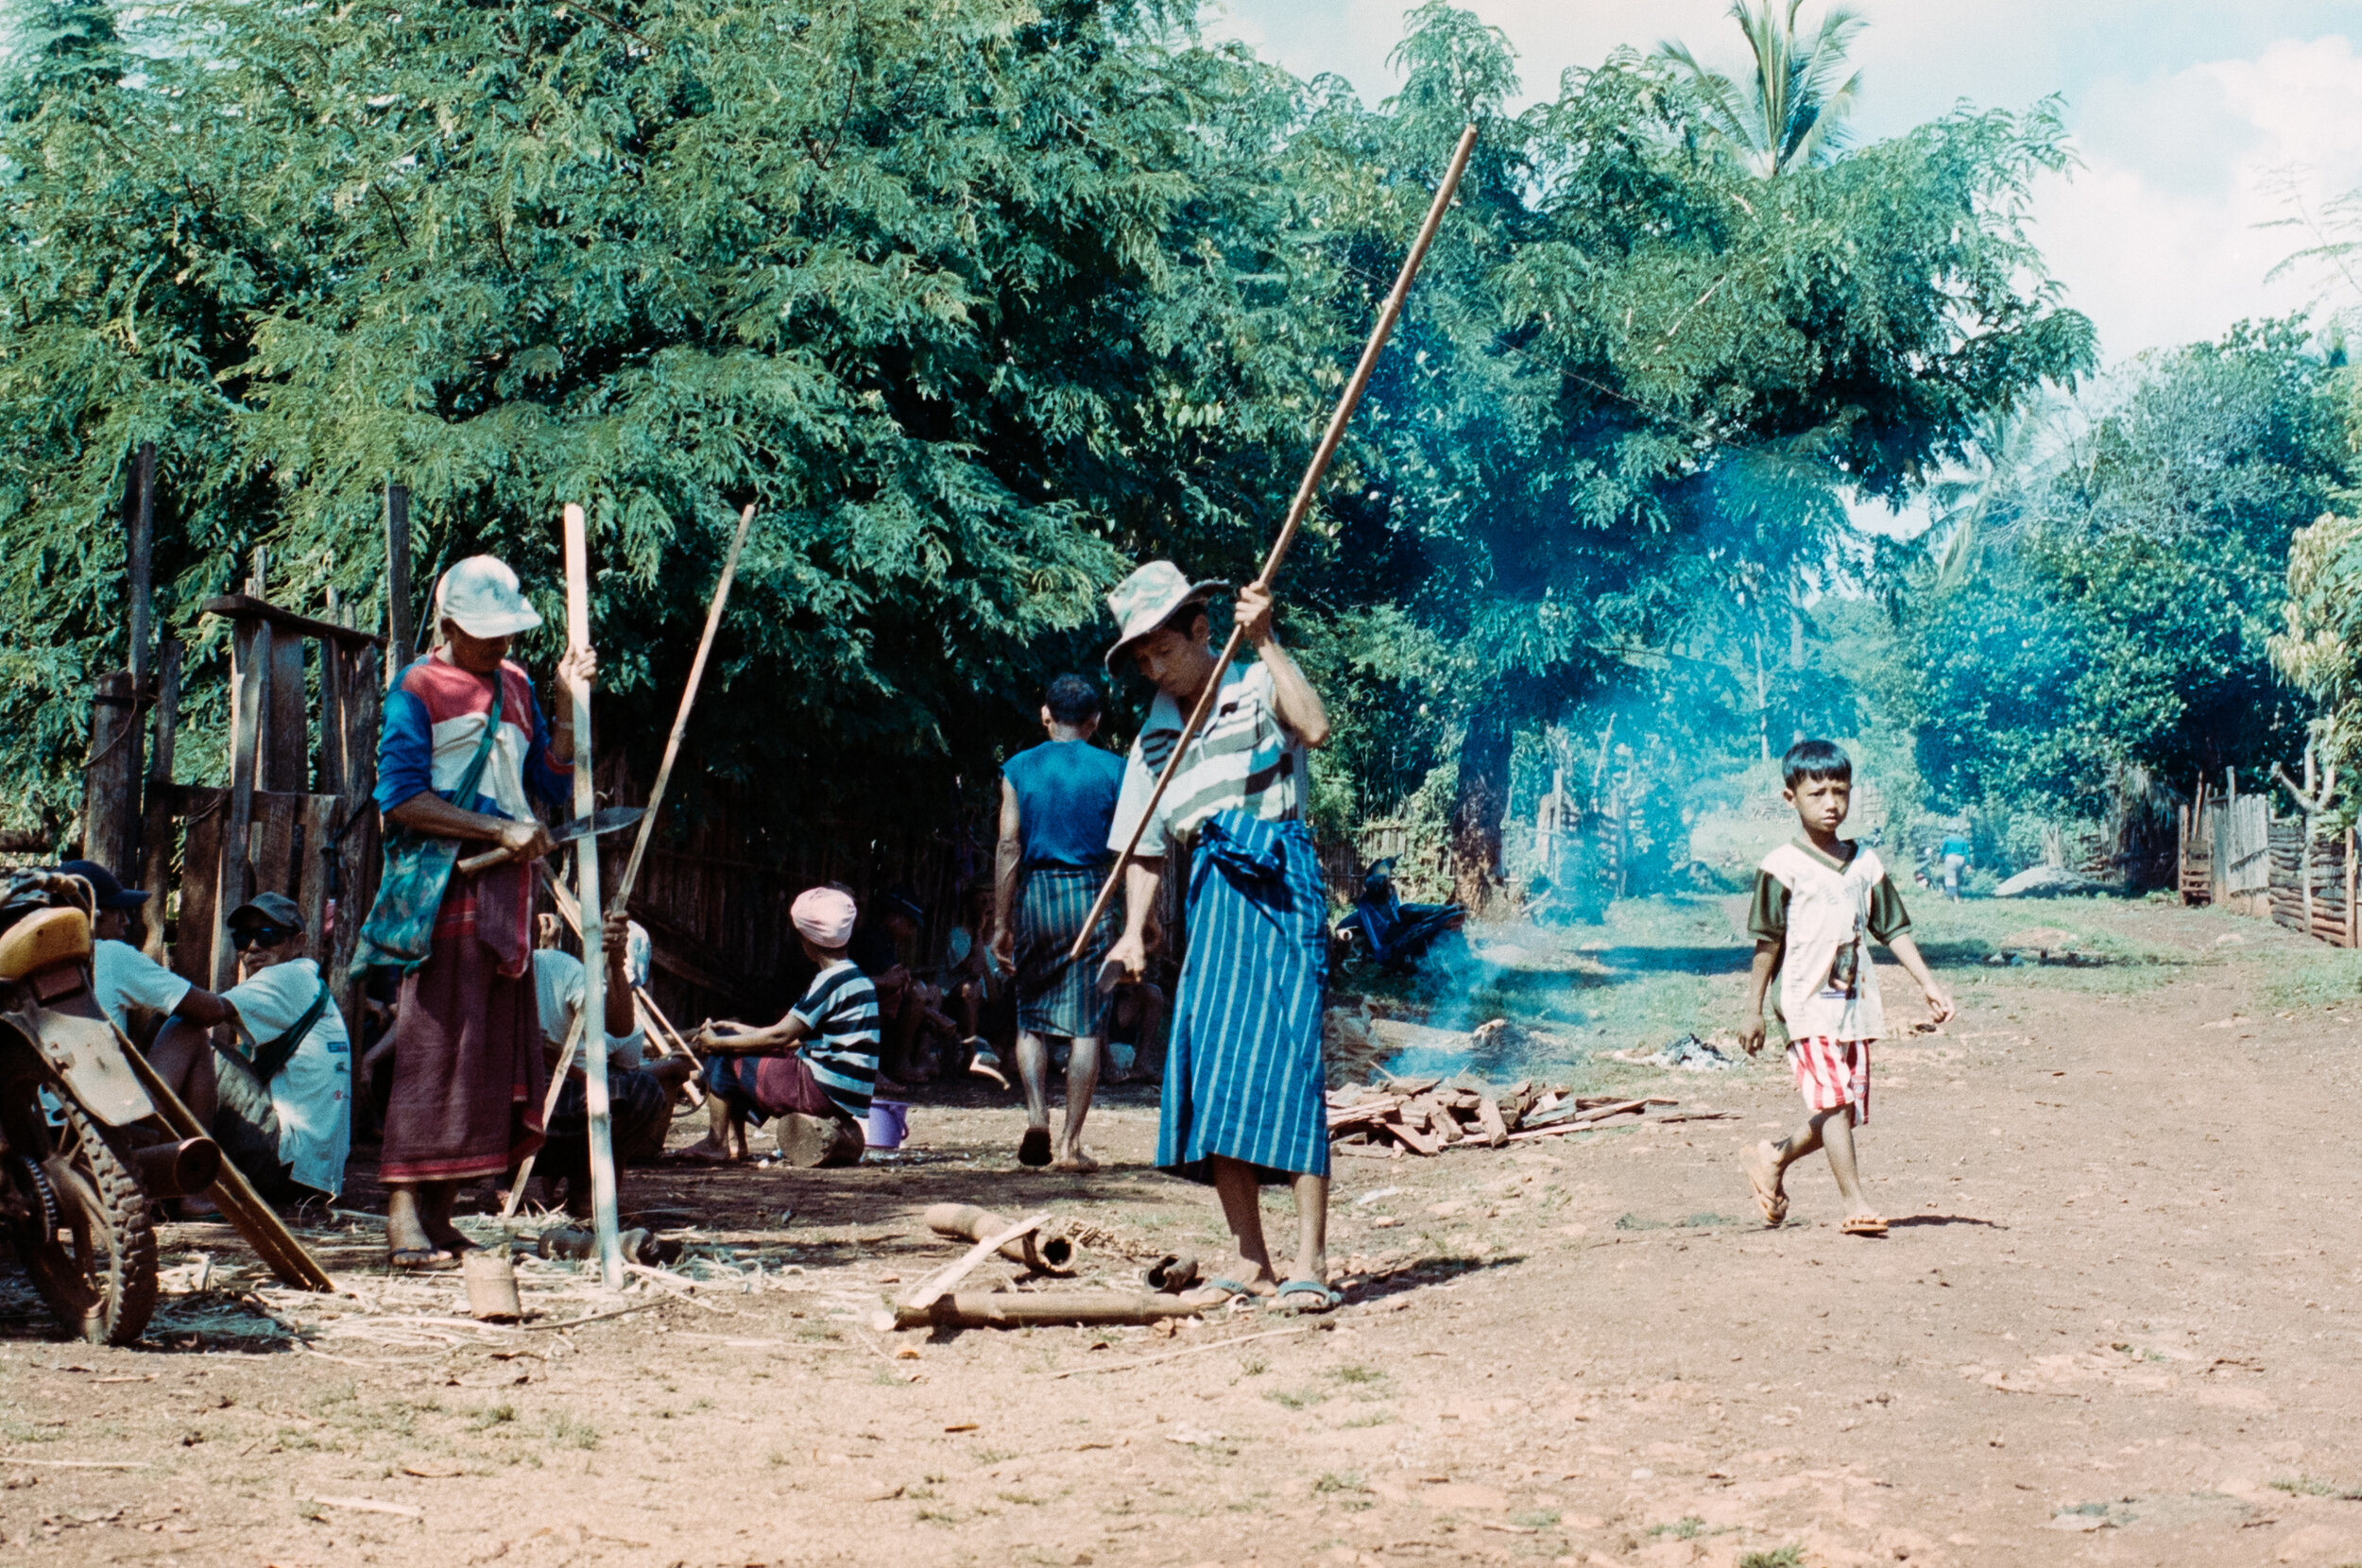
(2129, 627)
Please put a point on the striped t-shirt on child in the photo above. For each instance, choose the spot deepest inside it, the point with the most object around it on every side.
(1243, 759)
(841, 1010)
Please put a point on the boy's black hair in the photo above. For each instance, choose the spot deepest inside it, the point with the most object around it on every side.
(1072, 700)
(1815, 760)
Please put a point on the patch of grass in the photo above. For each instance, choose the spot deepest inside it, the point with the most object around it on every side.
(492, 1416)
(937, 1516)
(990, 1456)
(2307, 1487)
(782, 1458)
(1540, 1519)
(570, 1431)
(1339, 1480)
(1296, 1399)
(1350, 1374)
(1372, 1418)
(1687, 1527)
(2322, 975)
(1253, 1366)
(1019, 1498)
(1785, 1556)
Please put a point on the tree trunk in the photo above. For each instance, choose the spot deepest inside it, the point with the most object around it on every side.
(1477, 813)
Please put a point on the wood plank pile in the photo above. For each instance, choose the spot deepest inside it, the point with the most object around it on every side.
(2299, 857)
(1425, 1116)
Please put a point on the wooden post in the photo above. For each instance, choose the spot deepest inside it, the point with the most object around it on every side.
(2354, 916)
(249, 654)
(398, 642)
(108, 781)
(330, 778)
(587, 896)
(155, 870)
(139, 523)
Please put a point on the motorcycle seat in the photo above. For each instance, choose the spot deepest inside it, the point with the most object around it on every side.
(42, 939)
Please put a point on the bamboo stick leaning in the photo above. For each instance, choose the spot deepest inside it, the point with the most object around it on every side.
(1310, 486)
(688, 700)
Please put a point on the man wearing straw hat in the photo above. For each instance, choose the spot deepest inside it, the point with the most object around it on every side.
(1243, 1093)
(468, 1071)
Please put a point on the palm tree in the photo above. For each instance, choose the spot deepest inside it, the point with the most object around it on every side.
(1793, 109)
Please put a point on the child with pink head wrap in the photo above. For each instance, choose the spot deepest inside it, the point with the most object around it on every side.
(819, 1061)
(824, 917)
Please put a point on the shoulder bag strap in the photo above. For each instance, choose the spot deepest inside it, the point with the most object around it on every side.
(271, 1058)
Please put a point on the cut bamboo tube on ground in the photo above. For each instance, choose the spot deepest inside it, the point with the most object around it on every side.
(680, 720)
(1305, 490)
(281, 1253)
(1044, 1254)
(924, 1294)
(593, 954)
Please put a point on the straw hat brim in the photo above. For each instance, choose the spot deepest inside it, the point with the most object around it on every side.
(1195, 599)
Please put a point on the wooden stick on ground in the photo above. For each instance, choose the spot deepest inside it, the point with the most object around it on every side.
(593, 933)
(240, 1203)
(680, 720)
(1305, 490)
(1193, 1350)
(549, 1108)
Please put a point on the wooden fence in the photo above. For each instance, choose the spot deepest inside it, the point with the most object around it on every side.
(2233, 851)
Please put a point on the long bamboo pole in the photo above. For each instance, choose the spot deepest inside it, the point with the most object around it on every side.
(680, 720)
(594, 932)
(1314, 472)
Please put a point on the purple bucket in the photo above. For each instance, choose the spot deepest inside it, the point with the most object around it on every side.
(889, 1124)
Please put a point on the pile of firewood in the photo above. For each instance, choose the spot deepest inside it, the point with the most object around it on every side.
(1425, 1116)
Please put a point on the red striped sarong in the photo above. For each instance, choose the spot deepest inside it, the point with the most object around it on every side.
(1831, 1073)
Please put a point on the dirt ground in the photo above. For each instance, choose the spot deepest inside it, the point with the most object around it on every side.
(2113, 1324)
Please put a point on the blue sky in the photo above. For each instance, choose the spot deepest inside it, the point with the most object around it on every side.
(2187, 117)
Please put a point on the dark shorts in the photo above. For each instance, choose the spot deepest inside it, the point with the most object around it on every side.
(760, 1088)
(639, 1114)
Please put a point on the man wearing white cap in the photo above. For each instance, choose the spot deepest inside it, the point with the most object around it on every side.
(1243, 1093)
(465, 743)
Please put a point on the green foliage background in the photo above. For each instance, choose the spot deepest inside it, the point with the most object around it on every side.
(979, 301)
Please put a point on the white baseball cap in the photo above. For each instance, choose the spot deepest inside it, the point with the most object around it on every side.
(480, 596)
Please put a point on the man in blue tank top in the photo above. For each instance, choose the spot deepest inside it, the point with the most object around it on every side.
(1057, 804)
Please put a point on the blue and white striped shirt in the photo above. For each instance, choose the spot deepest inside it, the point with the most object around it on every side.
(1243, 759)
(841, 1010)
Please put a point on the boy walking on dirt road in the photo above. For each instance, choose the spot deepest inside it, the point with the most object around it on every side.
(1817, 898)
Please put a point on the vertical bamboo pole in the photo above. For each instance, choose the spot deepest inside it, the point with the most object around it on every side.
(587, 895)
(398, 628)
(250, 653)
(155, 868)
(139, 522)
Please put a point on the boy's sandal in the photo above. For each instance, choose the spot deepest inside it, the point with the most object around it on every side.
(1307, 1296)
(1864, 1224)
(1033, 1149)
(1772, 1202)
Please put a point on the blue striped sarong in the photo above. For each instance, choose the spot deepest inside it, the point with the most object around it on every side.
(1242, 1073)
(1056, 996)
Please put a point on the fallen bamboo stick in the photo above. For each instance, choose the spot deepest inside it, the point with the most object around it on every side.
(1310, 486)
(1590, 1118)
(1193, 1350)
(1038, 1308)
(680, 719)
(240, 1204)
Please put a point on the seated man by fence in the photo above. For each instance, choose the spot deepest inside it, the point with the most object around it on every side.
(638, 1094)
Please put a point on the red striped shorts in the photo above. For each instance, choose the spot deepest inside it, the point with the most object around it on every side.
(1831, 1073)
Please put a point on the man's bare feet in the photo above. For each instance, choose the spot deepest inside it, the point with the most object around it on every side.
(710, 1151)
(1764, 1174)
(1077, 1160)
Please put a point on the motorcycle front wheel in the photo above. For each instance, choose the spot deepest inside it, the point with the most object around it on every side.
(82, 1233)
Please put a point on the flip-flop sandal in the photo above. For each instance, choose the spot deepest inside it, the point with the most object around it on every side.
(1774, 1204)
(1321, 1299)
(1864, 1224)
(420, 1260)
(1034, 1148)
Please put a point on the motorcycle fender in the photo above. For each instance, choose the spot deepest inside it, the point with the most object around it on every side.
(88, 1055)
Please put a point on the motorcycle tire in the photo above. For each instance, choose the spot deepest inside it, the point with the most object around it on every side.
(96, 1268)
